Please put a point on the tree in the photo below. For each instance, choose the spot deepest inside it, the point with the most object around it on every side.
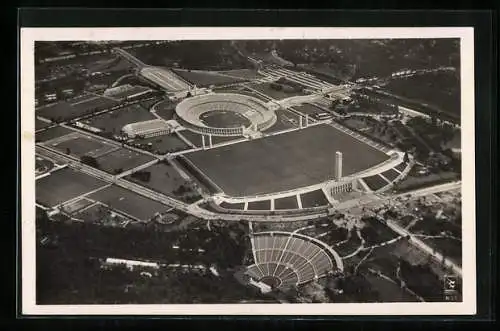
(90, 161)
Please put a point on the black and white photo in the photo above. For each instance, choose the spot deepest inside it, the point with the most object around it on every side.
(251, 169)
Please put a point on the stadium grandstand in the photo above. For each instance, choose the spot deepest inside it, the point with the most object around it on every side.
(165, 78)
(127, 91)
(283, 260)
(147, 129)
(257, 115)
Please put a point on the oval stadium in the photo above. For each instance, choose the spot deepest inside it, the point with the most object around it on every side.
(283, 260)
(224, 114)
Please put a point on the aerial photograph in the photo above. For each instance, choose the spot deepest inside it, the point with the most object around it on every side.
(248, 171)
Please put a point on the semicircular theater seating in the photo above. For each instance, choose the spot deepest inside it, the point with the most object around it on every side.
(288, 260)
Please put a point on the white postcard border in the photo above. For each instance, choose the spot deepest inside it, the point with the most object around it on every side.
(27, 142)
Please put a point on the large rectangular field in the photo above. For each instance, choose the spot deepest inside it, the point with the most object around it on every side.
(63, 185)
(283, 162)
(122, 160)
(78, 144)
(64, 110)
(115, 120)
(164, 178)
(52, 133)
(39, 124)
(266, 89)
(129, 202)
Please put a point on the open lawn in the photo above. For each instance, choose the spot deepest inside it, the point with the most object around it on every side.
(308, 109)
(195, 138)
(228, 205)
(285, 120)
(259, 205)
(122, 159)
(275, 94)
(129, 202)
(115, 120)
(55, 132)
(375, 182)
(39, 124)
(63, 185)
(415, 182)
(164, 179)
(163, 144)
(313, 199)
(79, 144)
(286, 203)
(165, 109)
(243, 73)
(207, 78)
(65, 110)
(285, 161)
(242, 90)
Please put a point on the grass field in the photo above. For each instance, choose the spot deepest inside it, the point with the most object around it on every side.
(286, 203)
(39, 124)
(285, 161)
(259, 205)
(390, 174)
(166, 109)
(55, 132)
(308, 109)
(313, 199)
(207, 78)
(243, 73)
(164, 144)
(285, 120)
(275, 94)
(195, 138)
(42, 165)
(228, 205)
(224, 119)
(241, 90)
(68, 110)
(115, 120)
(375, 182)
(164, 179)
(123, 159)
(63, 185)
(129, 202)
(79, 144)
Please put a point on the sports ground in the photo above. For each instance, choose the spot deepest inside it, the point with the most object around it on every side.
(63, 185)
(128, 202)
(284, 162)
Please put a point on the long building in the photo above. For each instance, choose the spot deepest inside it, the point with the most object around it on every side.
(165, 78)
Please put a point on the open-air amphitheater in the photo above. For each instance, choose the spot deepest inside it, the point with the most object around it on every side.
(259, 116)
(283, 260)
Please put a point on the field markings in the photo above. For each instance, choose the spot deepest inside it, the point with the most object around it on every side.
(385, 178)
(81, 196)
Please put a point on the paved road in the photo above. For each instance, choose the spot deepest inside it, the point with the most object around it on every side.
(194, 209)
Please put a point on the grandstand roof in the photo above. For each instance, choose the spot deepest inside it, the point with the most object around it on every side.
(252, 108)
(145, 127)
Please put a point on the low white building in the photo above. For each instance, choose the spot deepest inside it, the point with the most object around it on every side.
(146, 129)
(130, 264)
